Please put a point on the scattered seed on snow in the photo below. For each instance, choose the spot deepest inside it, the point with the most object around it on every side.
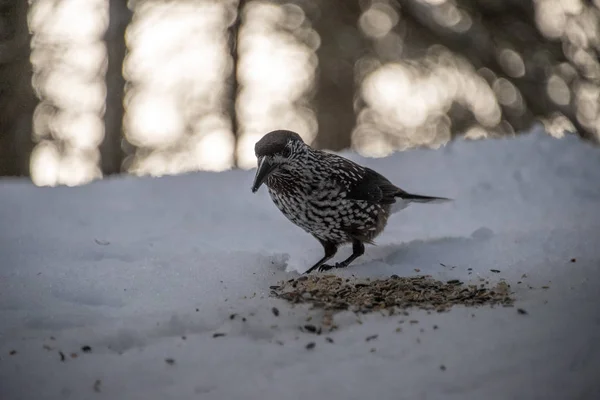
(330, 292)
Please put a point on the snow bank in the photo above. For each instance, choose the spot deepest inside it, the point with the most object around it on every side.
(145, 270)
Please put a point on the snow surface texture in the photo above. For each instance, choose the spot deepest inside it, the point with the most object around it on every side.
(130, 266)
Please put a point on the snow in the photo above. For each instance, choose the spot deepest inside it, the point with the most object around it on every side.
(129, 266)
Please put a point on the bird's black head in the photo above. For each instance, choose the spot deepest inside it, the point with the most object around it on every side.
(276, 143)
(274, 150)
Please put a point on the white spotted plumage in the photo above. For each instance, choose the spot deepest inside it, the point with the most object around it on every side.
(332, 198)
(310, 189)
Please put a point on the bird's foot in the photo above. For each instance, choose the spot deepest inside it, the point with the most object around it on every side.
(327, 267)
(320, 268)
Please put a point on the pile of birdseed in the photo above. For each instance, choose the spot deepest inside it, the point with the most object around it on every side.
(331, 292)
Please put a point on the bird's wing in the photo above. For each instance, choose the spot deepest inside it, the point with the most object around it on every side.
(374, 187)
(363, 183)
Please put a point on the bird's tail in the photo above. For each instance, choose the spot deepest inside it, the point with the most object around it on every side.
(417, 198)
(404, 199)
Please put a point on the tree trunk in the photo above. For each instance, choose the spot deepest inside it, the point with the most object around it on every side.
(111, 152)
(234, 33)
(342, 44)
(17, 100)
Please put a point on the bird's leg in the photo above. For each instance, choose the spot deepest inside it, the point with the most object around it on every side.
(358, 249)
(330, 250)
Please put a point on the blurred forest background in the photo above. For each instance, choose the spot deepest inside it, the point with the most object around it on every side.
(90, 88)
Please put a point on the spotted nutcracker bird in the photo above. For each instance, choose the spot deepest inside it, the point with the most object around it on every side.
(332, 198)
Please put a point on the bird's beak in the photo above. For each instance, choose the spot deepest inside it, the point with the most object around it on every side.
(265, 168)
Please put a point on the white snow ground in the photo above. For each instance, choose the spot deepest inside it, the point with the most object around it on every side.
(128, 266)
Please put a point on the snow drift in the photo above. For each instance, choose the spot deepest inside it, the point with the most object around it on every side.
(116, 289)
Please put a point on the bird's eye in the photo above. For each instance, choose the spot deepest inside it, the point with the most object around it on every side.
(286, 152)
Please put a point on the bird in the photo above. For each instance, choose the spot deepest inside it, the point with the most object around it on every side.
(332, 198)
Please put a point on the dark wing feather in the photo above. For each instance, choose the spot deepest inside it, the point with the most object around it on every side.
(375, 188)
(363, 183)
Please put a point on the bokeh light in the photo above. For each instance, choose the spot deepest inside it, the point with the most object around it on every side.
(69, 63)
(276, 73)
(177, 68)
(205, 79)
(407, 103)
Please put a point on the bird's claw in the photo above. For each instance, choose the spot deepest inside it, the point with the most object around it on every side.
(326, 267)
